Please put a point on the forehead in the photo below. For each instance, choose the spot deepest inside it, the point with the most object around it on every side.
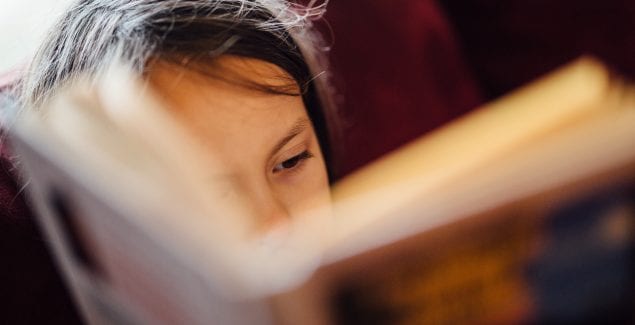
(226, 103)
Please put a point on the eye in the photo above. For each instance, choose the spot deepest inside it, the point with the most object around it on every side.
(292, 162)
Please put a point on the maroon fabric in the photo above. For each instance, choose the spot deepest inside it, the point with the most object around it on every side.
(510, 42)
(32, 289)
(399, 70)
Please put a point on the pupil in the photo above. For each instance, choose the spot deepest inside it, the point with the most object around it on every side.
(291, 162)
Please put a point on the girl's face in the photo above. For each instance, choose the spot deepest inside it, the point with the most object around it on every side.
(265, 142)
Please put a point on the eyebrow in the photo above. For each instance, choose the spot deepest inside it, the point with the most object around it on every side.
(298, 127)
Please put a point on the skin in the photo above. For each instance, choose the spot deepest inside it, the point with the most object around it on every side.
(266, 143)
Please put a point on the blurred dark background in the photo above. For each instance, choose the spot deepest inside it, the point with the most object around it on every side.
(405, 67)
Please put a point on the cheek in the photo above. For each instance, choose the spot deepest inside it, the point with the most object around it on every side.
(306, 190)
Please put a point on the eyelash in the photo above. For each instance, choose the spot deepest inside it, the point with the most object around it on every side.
(292, 162)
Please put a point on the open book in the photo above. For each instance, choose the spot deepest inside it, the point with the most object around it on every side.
(520, 212)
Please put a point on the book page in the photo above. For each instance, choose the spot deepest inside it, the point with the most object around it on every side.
(536, 231)
(579, 93)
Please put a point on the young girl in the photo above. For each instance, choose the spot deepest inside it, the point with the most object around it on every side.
(245, 76)
(241, 75)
